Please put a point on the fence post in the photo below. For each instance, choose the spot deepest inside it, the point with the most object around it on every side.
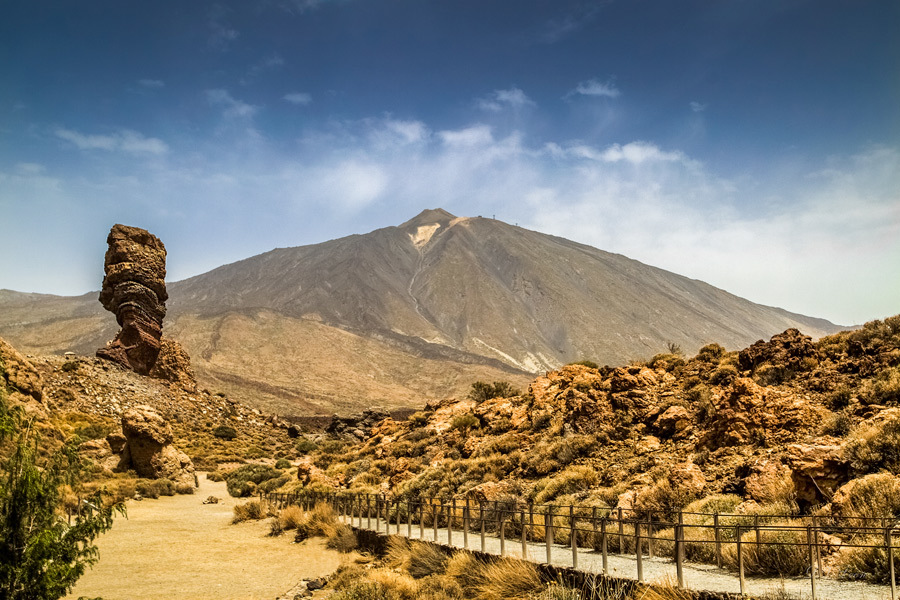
(603, 544)
(548, 532)
(718, 540)
(368, 512)
(621, 533)
(573, 539)
(466, 525)
(531, 518)
(421, 506)
(756, 526)
(890, 557)
(501, 525)
(815, 521)
(679, 549)
(409, 519)
(740, 557)
(481, 518)
(434, 518)
(377, 513)
(650, 535)
(594, 527)
(812, 561)
(638, 551)
(451, 508)
(524, 536)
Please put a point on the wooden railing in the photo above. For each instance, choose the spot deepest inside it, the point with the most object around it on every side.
(605, 531)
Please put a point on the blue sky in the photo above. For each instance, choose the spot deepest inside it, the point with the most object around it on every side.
(751, 144)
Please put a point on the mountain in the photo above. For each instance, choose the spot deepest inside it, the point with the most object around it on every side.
(410, 313)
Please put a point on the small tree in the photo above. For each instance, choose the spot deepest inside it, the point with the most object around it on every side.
(42, 555)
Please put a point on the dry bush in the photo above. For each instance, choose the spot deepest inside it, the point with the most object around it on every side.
(574, 478)
(508, 579)
(290, 517)
(362, 590)
(871, 497)
(884, 388)
(184, 488)
(248, 511)
(781, 552)
(439, 587)
(465, 568)
(397, 586)
(343, 539)
(425, 559)
(871, 448)
(867, 563)
(667, 589)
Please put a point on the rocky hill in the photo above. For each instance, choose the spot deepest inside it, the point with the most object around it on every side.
(413, 313)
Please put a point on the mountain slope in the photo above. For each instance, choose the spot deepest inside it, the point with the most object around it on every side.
(395, 316)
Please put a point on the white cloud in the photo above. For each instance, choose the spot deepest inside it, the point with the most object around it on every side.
(593, 87)
(125, 140)
(698, 106)
(298, 98)
(151, 83)
(221, 35)
(231, 107)
(477, 135)
(499, 99)
(28, 169)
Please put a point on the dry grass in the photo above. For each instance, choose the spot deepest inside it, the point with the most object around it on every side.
(664, 590)
(866, 564)
(248, 511)
(781, 551)
(464, 567)
(508, 579)
(419, 559)
(398, 586)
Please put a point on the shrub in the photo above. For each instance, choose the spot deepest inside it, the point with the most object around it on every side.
(464, 422)
(215, 476)
(225, 432)
(70, 366)
(184, 488)
(482, 391)
(711, 353)
(781, 552)
(305, 446)
(343, 539)
(243, 481)
(586, 363)
(837, 424)
(248, 511)
(362, 590)
(282, 463)
(419, 559)
(154, 488)
(866, 563)
(573, 479)
(839, 398)
(724, 375)
(884, 388)
(874, 447)
(465, 568)
(873, 496)
(508, 578)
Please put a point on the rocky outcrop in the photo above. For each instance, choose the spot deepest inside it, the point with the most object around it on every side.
(149, 450)
(357, 426)
(817, 472)
(134, 288)
(787, 349)
(173, 364)
(22, 381)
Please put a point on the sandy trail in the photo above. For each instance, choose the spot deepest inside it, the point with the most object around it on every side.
(176, 548)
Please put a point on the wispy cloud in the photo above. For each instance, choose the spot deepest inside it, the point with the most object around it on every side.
(594, 87)
(221, 35)
(499, 99)
(232, 108)
(151, 83)
(124, 140)
(477, 135)
(298, 98)
(698, 106)
(563, 26)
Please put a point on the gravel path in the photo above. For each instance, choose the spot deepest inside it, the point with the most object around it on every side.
(177, 548)
(696, 576)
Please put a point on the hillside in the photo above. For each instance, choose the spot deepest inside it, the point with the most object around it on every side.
(413, 313)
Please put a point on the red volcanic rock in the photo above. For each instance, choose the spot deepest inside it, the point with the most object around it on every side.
(787, 349)
(134, 288)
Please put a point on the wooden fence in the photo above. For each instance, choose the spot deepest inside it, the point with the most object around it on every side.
(701, 537)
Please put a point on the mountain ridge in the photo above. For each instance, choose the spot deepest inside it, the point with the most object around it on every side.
(471, 292)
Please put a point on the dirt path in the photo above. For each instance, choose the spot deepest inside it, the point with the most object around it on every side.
(177, 548)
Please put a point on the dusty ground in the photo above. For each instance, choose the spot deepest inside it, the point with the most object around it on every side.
(177, 548)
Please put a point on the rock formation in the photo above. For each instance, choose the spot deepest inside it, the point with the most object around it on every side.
(134, 288)
(173, 364)
(148, 447)
(22, 380)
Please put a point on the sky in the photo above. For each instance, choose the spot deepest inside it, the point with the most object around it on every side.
(752, 144)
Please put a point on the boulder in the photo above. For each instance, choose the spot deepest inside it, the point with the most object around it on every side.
(19, 375)
(149, 450)
(769, 481)
(134, 288)
(673, 421)
(817, 471)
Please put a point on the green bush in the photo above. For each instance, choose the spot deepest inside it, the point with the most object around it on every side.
(154, 488)
(482, 391)
(70, 366)
(839, 398)
(586, 363)
(225, 432)
(282, 463)
(305, 446)
(573, 479)
(724, 375)
(884, 388)
(875, 447)
(464, 422)
(243, 481)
